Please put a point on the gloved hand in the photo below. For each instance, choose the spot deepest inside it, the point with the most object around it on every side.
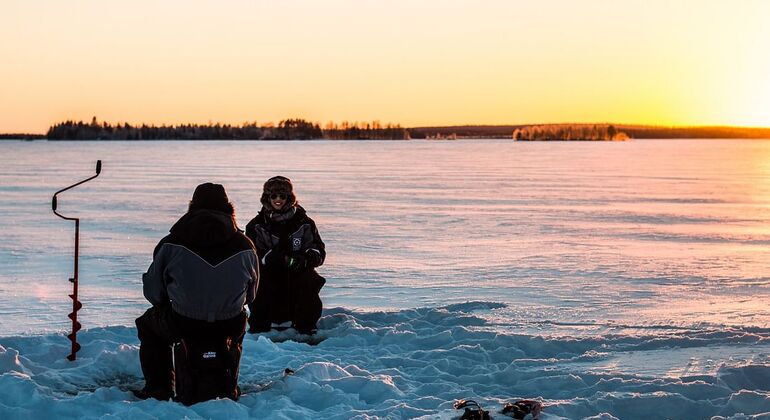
(275, 258)
(297, 262)
(313, 258)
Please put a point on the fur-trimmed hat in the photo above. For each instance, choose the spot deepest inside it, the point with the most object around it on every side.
(211, 196)
(278, 185)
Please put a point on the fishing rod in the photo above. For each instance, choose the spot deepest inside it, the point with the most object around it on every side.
(76, 305)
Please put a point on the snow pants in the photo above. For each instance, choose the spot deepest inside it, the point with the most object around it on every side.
(281, 298)
(160, 327)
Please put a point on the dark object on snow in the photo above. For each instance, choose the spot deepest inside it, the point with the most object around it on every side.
(142, 394)
(472, 410)
(76, 305)
(521, 408)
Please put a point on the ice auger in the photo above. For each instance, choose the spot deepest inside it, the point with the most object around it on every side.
(76, 305)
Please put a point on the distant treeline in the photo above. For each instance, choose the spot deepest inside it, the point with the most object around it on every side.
(525, 132)
(466, 131)
(633, 131)
(365, 131)
(21, 136)
(299, 129)
(716, 132)
(291, 129)
(568, 132)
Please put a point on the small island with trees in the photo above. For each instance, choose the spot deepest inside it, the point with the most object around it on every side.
(569, 132)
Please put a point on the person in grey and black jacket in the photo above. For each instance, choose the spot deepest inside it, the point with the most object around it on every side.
(289, 249)
(201, 277)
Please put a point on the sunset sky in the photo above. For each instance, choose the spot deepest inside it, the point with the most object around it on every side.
(683, 62)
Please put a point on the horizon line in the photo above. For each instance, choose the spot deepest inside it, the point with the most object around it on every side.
(211, 123)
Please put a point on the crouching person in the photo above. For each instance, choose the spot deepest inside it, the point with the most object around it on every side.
(289, 248)
(202, 275)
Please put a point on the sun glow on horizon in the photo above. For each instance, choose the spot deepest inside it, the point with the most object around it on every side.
(656, 62)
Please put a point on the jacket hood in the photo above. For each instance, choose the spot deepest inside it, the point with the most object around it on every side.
(204, 228)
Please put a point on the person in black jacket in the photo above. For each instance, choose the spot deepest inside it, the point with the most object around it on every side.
(201, 276)
(289, 248)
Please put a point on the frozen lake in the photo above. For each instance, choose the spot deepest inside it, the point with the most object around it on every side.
(636, 233)
(655, 247)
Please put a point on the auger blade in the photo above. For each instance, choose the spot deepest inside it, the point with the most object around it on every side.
(75, 328)
(78, 304)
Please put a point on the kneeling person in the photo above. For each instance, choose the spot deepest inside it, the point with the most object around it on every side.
(202, 275)
(289, 249)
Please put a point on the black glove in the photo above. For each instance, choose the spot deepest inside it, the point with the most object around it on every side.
(297, 262)
(275, 258)
(313, 258)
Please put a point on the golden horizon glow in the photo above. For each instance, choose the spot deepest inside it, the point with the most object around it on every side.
(684, 63)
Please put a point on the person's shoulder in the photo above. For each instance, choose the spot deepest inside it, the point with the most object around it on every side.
(242, 241)
(252, 223)
(305, 217)
(301, 213)
(168, 239)
(259, 219)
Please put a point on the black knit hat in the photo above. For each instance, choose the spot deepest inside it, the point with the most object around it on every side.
(211, 196)
(278, 185)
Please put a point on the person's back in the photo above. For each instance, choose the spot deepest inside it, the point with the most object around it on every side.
(202, 275)
(204, 245)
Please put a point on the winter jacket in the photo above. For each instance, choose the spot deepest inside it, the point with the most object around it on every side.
(205, 267)
(289, 235)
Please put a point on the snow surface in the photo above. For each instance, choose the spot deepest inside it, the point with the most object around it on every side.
(409, 364)
(606, 280)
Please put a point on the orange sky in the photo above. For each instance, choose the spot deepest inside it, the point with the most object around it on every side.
(684, 62)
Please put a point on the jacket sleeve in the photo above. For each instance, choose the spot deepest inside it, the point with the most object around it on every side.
(251, 290)
(257, 238)
(153, 281)
(316, 249)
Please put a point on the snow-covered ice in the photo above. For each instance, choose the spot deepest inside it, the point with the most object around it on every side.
(605, 280)
(410, 364)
